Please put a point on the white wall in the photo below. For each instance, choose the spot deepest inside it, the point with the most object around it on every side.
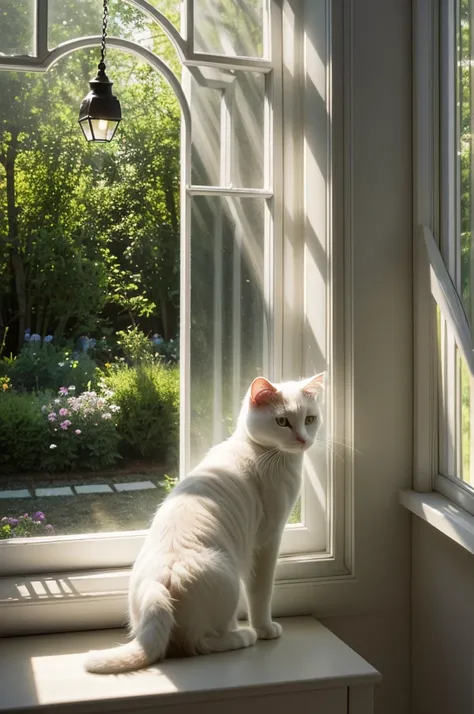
(443, 623)
(377, 625)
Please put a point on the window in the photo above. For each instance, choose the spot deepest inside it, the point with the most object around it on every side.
(249, 253)
(445, 210)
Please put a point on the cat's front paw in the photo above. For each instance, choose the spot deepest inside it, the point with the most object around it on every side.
(270, 631)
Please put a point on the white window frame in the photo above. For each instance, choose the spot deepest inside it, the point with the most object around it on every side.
(436, 259)
(310, 216)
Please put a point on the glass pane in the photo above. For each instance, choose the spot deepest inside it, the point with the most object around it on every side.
(228, 321)
(71, 19)
(466, 127)
(465, 385)
(89, 302)
(171, 9)
(229, 27)
(206, 139)
(17, 31)
(295, 515)
(228, 128)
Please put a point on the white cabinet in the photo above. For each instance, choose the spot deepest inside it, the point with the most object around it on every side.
(307, 671)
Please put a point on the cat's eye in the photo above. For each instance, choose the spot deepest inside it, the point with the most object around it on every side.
(282, 421)
(310, 419)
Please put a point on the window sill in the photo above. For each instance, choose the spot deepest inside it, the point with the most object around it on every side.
(442, 514)
(45, 671)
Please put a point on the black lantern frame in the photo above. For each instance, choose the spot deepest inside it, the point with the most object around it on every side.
(100, 112)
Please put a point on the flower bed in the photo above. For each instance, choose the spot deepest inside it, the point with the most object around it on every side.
(89, 404)
(25, 526)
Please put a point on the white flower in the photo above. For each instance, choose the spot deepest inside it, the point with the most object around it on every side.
(114, 408)
(72, 388)
(106, 415)
(60, 364)
(53, 446)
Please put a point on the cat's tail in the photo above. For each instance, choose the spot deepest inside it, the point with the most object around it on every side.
(150, 641)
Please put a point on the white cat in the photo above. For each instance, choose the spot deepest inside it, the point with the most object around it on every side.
(220, 527)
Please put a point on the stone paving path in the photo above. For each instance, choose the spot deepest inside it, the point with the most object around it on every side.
(79, 489)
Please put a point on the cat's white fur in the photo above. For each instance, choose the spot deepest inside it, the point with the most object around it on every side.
(219, 528)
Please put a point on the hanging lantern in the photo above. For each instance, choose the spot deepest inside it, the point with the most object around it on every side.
(100, 113)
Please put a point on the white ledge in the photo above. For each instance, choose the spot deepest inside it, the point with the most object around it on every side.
(41, 672)
(443, 515)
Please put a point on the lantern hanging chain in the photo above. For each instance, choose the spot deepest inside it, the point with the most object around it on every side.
(104, 35)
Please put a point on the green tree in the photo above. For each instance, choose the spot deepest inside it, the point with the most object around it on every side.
(87, 231)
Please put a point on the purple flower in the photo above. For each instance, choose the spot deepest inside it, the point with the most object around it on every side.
(65, 424)
(49, 529)
(63, 412)
(38, 516)
(27, 335)
(48, 338)
(13, 522)
(35, 337)
(52, 416)
(63, 390)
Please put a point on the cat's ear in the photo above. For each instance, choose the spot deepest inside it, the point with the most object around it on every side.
(262, 392)
(314, 387)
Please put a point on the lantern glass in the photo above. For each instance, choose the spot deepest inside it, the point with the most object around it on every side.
(99, 129)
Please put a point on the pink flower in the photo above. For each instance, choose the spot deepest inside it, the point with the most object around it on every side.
(64, 424)
(78, 431)
(63, 390)
(52, 416)
(63, 412)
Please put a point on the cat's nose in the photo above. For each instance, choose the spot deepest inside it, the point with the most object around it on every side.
(300, 439)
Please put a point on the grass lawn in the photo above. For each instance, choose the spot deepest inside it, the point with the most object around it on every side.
(97, 512)
(88, 513)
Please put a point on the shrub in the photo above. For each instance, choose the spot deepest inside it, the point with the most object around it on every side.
(169, 483)
(25, 526)
(23, 432)
(39, 432)
(41, 366)
(134, 345)
(137, 347)
(148, 420)
(82, 431)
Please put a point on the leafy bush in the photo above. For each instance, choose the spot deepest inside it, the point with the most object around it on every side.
(39, 432)
(81, 430)
(25, 526)
(137, 347)
(134, 345)
(169, 483)
(41, 366)
(23, 432)
(168, 350)
(148, 420)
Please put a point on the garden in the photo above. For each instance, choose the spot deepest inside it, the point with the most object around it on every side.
(89, 288)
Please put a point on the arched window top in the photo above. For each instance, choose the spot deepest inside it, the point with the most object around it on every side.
(201, 40)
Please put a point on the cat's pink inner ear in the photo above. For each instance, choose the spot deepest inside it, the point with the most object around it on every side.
(315, 385)
(262, 392)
